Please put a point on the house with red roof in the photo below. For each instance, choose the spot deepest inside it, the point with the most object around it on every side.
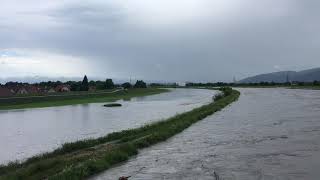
(62, 88)
(5, 92)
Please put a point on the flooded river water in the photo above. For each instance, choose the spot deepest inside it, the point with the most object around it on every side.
(25, 133)
(268, 134)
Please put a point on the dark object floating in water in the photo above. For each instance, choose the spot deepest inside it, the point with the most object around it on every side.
(124, 178)
(113, 105)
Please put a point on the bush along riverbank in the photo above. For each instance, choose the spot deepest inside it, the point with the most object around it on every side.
(83, 159)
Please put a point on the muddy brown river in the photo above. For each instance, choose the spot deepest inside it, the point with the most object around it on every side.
(271, 134)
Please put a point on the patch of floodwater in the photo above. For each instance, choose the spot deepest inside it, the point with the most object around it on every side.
(24, 133)
(267, 134)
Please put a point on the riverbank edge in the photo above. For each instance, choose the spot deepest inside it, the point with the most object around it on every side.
(85, 98)
(115, 147)
(307, 88)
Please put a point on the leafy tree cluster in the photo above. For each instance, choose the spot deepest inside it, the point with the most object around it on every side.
(140, 84)
(74, 85)
(109, 84)
(14, 84)
(316, 83)
(84, 85)
(222, 84)
(126, 85)
(226, 91)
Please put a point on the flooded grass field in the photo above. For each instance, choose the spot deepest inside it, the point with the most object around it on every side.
(267, 134)
(25, 133)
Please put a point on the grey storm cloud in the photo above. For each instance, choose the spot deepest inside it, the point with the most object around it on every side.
(170, 40)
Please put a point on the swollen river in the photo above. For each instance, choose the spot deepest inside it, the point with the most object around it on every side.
(268, 134)
(25, 133)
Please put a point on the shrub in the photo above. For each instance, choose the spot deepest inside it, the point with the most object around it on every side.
(218, 97)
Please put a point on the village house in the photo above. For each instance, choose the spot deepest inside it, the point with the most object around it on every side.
(13, 89)
(27, 89)
(181, 84)
(22, 91)
(51, 90)
(5, 92)
(33, 90)
(92, 88)
(62, 88)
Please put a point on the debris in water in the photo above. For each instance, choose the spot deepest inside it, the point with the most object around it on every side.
(124, 178)
(113, 105)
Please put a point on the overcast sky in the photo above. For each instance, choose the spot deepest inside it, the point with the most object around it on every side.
(176, 40)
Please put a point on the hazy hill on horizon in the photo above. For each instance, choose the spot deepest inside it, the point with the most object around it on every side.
(309, 75)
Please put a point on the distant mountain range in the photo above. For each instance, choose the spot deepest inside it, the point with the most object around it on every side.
(309, 75)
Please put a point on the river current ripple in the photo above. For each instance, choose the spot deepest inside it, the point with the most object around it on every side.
(267, 134)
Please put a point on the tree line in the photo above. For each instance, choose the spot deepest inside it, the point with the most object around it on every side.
(223, 84)
(84, 85)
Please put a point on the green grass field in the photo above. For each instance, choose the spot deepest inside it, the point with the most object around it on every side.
(85, 158)
(72, 99)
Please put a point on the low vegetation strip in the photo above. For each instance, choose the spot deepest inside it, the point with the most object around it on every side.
(61, 100)
(83, 159)
(306, 87)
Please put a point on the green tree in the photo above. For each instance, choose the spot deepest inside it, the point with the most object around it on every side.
(92, 83)
(109, 84)
(74, 86)
(140, 84)
(85, 84)
(101, 85)
(126, 85)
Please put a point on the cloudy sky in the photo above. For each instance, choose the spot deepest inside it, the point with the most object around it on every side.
(176, 40)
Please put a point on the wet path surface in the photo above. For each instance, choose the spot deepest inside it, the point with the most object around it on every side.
(25, 133)
(268, 134)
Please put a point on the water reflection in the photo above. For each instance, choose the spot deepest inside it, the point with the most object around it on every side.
(126, 99)
(24, 133)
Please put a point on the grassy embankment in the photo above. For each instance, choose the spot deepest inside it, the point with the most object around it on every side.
(73, 98)
(85, 158)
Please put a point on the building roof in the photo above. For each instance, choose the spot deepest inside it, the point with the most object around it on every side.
(5, 92)
(62, 87)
